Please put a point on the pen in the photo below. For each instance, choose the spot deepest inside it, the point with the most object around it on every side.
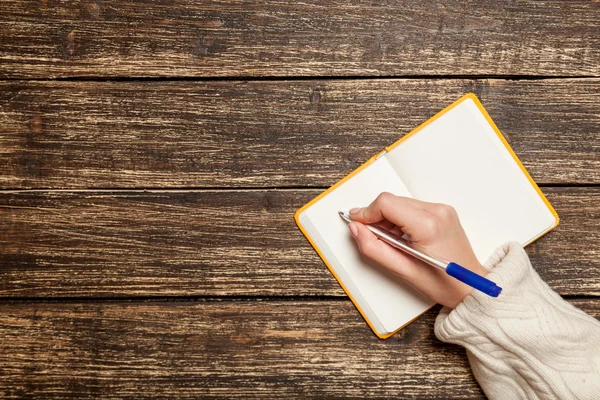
(456, 271)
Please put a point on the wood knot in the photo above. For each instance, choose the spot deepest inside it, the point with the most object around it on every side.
(69, 45)
(266, 202)
(33, 167)
(35, 125)
(480, 88)
(29, 167)
(315, 96)
(206, 45)
(94, 9)
(241, 338)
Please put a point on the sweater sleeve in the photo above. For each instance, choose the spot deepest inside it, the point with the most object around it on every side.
(528, 343)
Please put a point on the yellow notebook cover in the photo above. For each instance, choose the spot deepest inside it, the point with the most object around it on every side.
(387, 150)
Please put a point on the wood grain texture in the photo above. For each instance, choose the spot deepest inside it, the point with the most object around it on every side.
(219, 243)
(280, 38)
(218, 349)
(103, 246)
(256, 134)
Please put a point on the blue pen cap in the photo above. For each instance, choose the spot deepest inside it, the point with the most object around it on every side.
(472, 279)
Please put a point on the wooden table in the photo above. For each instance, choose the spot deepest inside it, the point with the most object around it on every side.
(153, 154)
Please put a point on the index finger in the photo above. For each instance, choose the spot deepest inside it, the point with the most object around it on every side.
(404, 212)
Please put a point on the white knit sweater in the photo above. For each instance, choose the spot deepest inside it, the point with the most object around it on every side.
(528, 343)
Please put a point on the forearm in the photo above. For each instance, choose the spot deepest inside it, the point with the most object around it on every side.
(528, 342)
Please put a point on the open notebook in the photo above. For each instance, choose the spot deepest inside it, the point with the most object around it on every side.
(458, 157)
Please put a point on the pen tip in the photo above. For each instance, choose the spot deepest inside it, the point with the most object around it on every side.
(345, 216)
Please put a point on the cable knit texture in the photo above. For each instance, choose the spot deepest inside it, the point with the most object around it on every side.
(528, 343)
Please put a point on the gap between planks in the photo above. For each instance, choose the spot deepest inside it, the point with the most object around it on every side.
(307, 78)
(204, 299)
(227, 189)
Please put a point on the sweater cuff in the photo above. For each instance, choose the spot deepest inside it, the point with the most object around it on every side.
(510, 269)
(527, 342)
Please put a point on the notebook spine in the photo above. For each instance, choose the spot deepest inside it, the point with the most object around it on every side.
(380, 154)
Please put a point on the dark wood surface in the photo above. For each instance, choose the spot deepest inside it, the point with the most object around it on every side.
(132, 132)
(257, 134)
(245, 349)
(188, 243)
(144, 38)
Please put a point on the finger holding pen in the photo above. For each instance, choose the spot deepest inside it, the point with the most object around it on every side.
(434, 228)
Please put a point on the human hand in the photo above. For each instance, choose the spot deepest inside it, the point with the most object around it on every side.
(435, 227)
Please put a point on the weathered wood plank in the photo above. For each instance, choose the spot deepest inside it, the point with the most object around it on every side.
(219, 243)
(282, 38)
(216, 349)
(256, 134)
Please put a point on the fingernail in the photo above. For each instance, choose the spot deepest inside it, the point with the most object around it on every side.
(354, 210)
(353, 229)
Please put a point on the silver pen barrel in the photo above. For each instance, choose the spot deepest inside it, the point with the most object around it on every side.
(401, 244)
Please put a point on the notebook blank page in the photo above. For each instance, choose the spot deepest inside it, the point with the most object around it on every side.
(459, 160)
(393, 302)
